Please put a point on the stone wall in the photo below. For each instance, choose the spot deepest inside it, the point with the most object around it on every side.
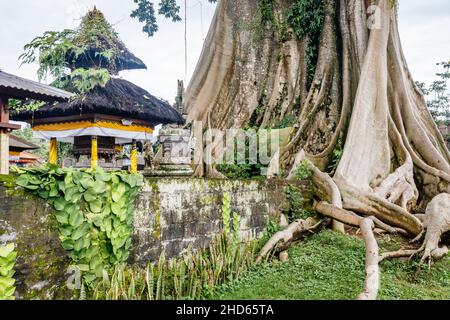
(170, 215)
(41, 262)
(173, 214)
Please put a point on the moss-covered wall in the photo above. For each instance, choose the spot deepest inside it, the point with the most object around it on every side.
(29, 223)
(170, 215)
(174, 214)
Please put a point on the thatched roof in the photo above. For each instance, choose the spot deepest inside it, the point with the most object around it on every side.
(119, 97)
(98, 38)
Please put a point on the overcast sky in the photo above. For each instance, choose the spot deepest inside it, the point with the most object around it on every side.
(424, 27)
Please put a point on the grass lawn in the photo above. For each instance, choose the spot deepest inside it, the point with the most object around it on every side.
(331, 266)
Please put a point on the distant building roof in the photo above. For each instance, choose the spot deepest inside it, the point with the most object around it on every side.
(24, 158)
(19, 88)
(18, 143)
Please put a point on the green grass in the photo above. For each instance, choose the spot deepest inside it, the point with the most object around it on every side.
(331, 266)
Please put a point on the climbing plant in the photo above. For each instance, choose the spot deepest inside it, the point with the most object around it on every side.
(230, 218)
(304, 171)
(7, 261)
(306, 18)
(93, 210)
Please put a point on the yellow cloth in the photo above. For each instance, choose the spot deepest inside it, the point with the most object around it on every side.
(88, 124)
(94, 152)
(53, 152)
(134, 161)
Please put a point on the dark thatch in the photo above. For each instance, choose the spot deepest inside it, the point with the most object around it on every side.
(125, 60)
(119, 97)
(102, 47)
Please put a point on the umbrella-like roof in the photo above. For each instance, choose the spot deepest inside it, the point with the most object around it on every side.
(102, 46)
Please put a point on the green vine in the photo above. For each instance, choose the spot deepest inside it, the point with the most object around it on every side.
(57, 52)
(304, 171)
(266, 9)
(306, 18)
(230, 218)
(338, 152)
(86, 80)
(296, 200)
(7, 262)
(93, 210)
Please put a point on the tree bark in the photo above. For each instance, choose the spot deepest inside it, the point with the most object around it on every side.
(394, 159)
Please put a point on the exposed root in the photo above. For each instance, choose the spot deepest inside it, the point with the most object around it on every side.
(326, 188)
(397, 254)
(281, 240)
(370, 204)
(338, 214)
(437, 222)
(284, 256)
(372, 282)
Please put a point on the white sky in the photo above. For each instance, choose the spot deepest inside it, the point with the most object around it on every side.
(424, 27)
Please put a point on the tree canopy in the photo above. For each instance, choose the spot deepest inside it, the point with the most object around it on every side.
(146, 13)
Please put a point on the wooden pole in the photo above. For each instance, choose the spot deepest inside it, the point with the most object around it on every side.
(94, 152)
(53, 152)
(4, 152)
(134, 158)
(4, 137)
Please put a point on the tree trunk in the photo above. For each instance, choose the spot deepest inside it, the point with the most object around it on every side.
(362, 94)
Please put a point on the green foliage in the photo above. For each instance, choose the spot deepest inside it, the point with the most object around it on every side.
(50, 51)
(286, 122)
(7, 262)
(193, 276)
(235, 171)
(266, 11)
(93, 210)
(146, 13)
(230, 219)
(20, 105)
(266, 23)
(330, 266)
(437, 94)
(297, 209)
(246, 170)
(272, 227)
(338, 152)
(306, 18)
(56, 51)
(226, 213)
(84, 80)
(304, 171)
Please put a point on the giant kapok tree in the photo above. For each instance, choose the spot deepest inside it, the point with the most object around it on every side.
(336, 69)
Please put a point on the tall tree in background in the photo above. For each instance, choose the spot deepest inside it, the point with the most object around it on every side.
(437, 94)
(337, 67)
